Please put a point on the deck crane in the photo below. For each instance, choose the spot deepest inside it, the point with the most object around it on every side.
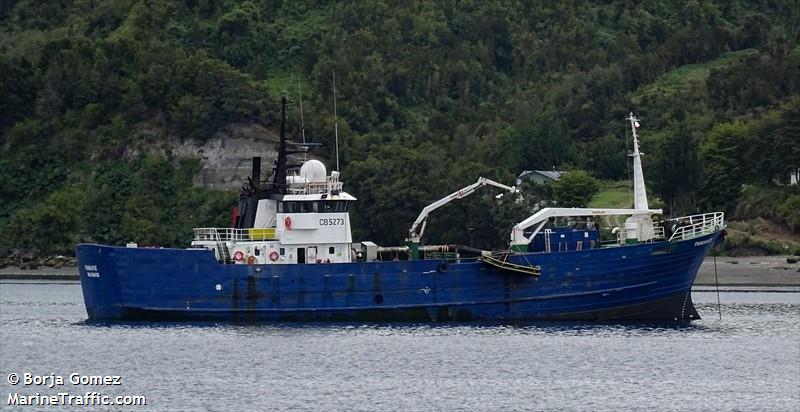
(418, 227)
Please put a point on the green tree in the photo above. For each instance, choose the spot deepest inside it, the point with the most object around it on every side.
(53, 226)
(785, 151)
(575, 189)
(675, 170)
(437, 93)
(393, 183)
(790, 212)
(723, 166)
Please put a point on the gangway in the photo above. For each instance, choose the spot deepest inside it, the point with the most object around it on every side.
(506, 265)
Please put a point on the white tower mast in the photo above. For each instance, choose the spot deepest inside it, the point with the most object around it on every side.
(639, 191)
(638, 228)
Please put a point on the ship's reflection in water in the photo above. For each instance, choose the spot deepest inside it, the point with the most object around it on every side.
(749, 360)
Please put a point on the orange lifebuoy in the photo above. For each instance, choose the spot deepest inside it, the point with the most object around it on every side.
(273, 256)
(251, 260)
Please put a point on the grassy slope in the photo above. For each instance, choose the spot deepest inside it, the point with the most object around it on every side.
(686, 78)
(759, 237)
(613, 194)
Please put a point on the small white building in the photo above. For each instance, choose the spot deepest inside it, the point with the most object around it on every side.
(539, 176)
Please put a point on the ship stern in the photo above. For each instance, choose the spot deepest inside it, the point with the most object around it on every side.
(99, 282)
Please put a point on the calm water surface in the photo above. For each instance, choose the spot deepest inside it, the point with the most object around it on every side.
(748, 361)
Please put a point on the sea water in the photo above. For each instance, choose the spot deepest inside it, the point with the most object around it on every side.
(748, 361)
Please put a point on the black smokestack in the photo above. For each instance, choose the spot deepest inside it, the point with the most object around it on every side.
(255, 193)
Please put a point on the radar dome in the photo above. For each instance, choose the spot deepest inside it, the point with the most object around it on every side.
(313, 171)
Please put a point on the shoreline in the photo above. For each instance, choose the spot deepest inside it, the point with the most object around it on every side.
(755, 271)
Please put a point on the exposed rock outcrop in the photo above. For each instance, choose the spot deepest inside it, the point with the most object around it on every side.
(226, 155)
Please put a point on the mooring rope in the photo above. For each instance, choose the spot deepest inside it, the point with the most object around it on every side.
(716, 278)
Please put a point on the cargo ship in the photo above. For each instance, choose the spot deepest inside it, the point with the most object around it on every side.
(290, 256)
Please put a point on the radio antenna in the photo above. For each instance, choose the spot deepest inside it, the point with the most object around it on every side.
(302, 121)
(335, 120)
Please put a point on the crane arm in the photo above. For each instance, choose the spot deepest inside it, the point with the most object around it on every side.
(418, 227)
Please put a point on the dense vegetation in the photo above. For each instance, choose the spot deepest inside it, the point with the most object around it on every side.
(431, 96)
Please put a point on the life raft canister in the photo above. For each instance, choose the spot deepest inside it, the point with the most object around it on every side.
(238, 256)
(273, 256)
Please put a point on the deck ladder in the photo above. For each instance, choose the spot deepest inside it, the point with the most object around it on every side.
(223, 249)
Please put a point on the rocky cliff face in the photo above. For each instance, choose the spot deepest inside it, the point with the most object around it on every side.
(226, 156)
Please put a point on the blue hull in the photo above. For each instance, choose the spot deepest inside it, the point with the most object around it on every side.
(643, 282)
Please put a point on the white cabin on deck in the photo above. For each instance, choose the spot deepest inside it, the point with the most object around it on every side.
(309, 224)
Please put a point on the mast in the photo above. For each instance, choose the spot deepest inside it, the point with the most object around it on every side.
(335, 120)
(639, 191)
(302, 122)
(279, 180)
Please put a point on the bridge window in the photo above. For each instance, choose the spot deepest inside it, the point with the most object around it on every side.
(295, 207)
(322, 206)
(333, 206)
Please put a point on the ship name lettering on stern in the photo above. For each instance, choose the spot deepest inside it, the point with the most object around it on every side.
(91, 271)
(704, 242)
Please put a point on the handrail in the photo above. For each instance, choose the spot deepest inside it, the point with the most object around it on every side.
(310, 188)
(698, 225)
(232, 234)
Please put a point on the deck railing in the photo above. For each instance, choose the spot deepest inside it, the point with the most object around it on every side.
(217, 234)
(689, 227)
(658, 232)
(310, 188)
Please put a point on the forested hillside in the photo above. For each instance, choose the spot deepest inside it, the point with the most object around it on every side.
(431, 95)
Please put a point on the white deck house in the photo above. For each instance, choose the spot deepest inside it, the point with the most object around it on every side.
(539, 176)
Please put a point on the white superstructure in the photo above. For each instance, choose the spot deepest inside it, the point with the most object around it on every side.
(309, 224)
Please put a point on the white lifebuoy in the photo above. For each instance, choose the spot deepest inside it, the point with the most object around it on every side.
(273, 256)
(238, 256)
